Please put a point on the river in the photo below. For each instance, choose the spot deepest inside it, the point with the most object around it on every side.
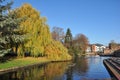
(84, 68)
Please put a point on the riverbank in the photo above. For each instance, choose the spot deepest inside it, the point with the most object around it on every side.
(18, 63)
(62, 70)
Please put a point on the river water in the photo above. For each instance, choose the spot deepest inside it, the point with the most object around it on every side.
(84, 68)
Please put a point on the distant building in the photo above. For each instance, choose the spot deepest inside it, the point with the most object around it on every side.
(89, 49)
(108, 51)
(112, 48)
(94, 48)
(99, 48)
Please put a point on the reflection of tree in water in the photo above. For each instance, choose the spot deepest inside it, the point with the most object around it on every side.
(55, 70)
(81, 66)
(51, 71)
(32, 73)
(69, 73)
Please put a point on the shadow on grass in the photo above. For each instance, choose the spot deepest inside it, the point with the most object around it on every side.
(7, 57)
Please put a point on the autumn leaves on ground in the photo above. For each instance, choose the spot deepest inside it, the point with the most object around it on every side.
(24, 32)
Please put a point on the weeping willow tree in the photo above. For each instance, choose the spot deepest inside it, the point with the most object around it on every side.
(56, 51)
(36, 27)
(40, 41)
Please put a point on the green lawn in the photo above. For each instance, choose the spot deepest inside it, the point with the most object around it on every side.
(22, 62)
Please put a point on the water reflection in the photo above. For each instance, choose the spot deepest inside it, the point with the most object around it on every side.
(55, 71)
(83, 68)
(80, 68)
(51, 71)
(88, 68)
(25, 74)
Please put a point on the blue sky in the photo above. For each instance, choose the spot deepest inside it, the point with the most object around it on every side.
(99, 20)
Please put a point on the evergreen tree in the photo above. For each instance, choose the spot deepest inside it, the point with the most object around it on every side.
(5, 28)
(9, 34)
(68, 38)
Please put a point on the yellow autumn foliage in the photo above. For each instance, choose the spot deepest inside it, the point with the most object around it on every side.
(40, 42)
(56, 51)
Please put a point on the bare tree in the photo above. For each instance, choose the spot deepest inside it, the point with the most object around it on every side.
(113, 45)
(81, 42)
(58, 33)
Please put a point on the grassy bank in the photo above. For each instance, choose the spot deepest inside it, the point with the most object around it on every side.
(21, 62)
(18, 62)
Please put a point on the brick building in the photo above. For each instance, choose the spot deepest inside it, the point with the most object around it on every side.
(112, 48)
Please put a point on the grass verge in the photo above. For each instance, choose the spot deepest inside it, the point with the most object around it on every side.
(18, 62)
